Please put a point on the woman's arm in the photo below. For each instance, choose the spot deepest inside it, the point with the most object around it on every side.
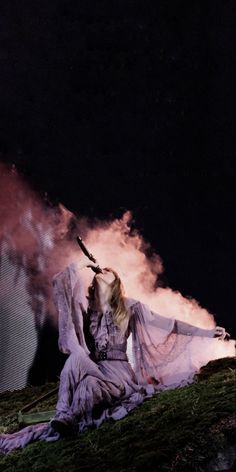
(176, 326)
(180, 327)
(69, 297)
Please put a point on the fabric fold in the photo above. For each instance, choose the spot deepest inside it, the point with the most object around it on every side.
(69, 298)
(166, 353)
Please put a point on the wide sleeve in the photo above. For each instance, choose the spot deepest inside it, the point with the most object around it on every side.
(180, 327)
(70, 300)
(167, 352)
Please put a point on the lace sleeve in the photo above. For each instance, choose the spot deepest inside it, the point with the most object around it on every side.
(152, 342)
(69, 298)
(189, 330)
(169, 352)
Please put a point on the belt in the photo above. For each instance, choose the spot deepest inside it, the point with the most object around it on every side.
(111, 355)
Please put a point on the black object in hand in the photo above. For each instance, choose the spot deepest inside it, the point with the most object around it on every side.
(84, 249)
(97, 269)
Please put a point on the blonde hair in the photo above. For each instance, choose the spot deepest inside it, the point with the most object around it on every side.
(116, 299)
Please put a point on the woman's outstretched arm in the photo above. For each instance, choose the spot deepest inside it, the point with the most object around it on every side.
(180, 327)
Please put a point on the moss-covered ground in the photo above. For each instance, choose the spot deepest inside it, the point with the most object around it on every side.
(176, 430)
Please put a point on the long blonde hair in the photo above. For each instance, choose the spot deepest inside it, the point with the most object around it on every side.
(116, 299)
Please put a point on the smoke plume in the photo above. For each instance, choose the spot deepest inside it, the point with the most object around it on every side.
(38, 240)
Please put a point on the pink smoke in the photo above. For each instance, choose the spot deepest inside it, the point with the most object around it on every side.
(41, 240)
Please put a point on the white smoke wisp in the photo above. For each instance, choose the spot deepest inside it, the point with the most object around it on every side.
(41, 240)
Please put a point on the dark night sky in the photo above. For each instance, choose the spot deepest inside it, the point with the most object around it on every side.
(110, 106)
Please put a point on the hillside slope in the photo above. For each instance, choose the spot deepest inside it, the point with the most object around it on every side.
(186, 429)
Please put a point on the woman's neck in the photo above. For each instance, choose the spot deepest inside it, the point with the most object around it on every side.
(104, 295)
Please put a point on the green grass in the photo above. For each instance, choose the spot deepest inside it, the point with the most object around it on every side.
(177, 430)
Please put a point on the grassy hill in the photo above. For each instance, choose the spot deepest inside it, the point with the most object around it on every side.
(177, 430)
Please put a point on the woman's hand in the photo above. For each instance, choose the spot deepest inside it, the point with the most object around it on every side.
(85, 262)
(220, 333)
(95, 267)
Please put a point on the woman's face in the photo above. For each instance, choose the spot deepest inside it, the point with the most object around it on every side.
(106, 276)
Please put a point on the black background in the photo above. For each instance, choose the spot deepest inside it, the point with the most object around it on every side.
(109, 106)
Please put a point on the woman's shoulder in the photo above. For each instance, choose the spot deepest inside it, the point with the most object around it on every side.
(69, 269)
(130, 302)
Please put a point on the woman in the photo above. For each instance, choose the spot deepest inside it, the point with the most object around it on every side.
(97, 381)
(101, 384)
